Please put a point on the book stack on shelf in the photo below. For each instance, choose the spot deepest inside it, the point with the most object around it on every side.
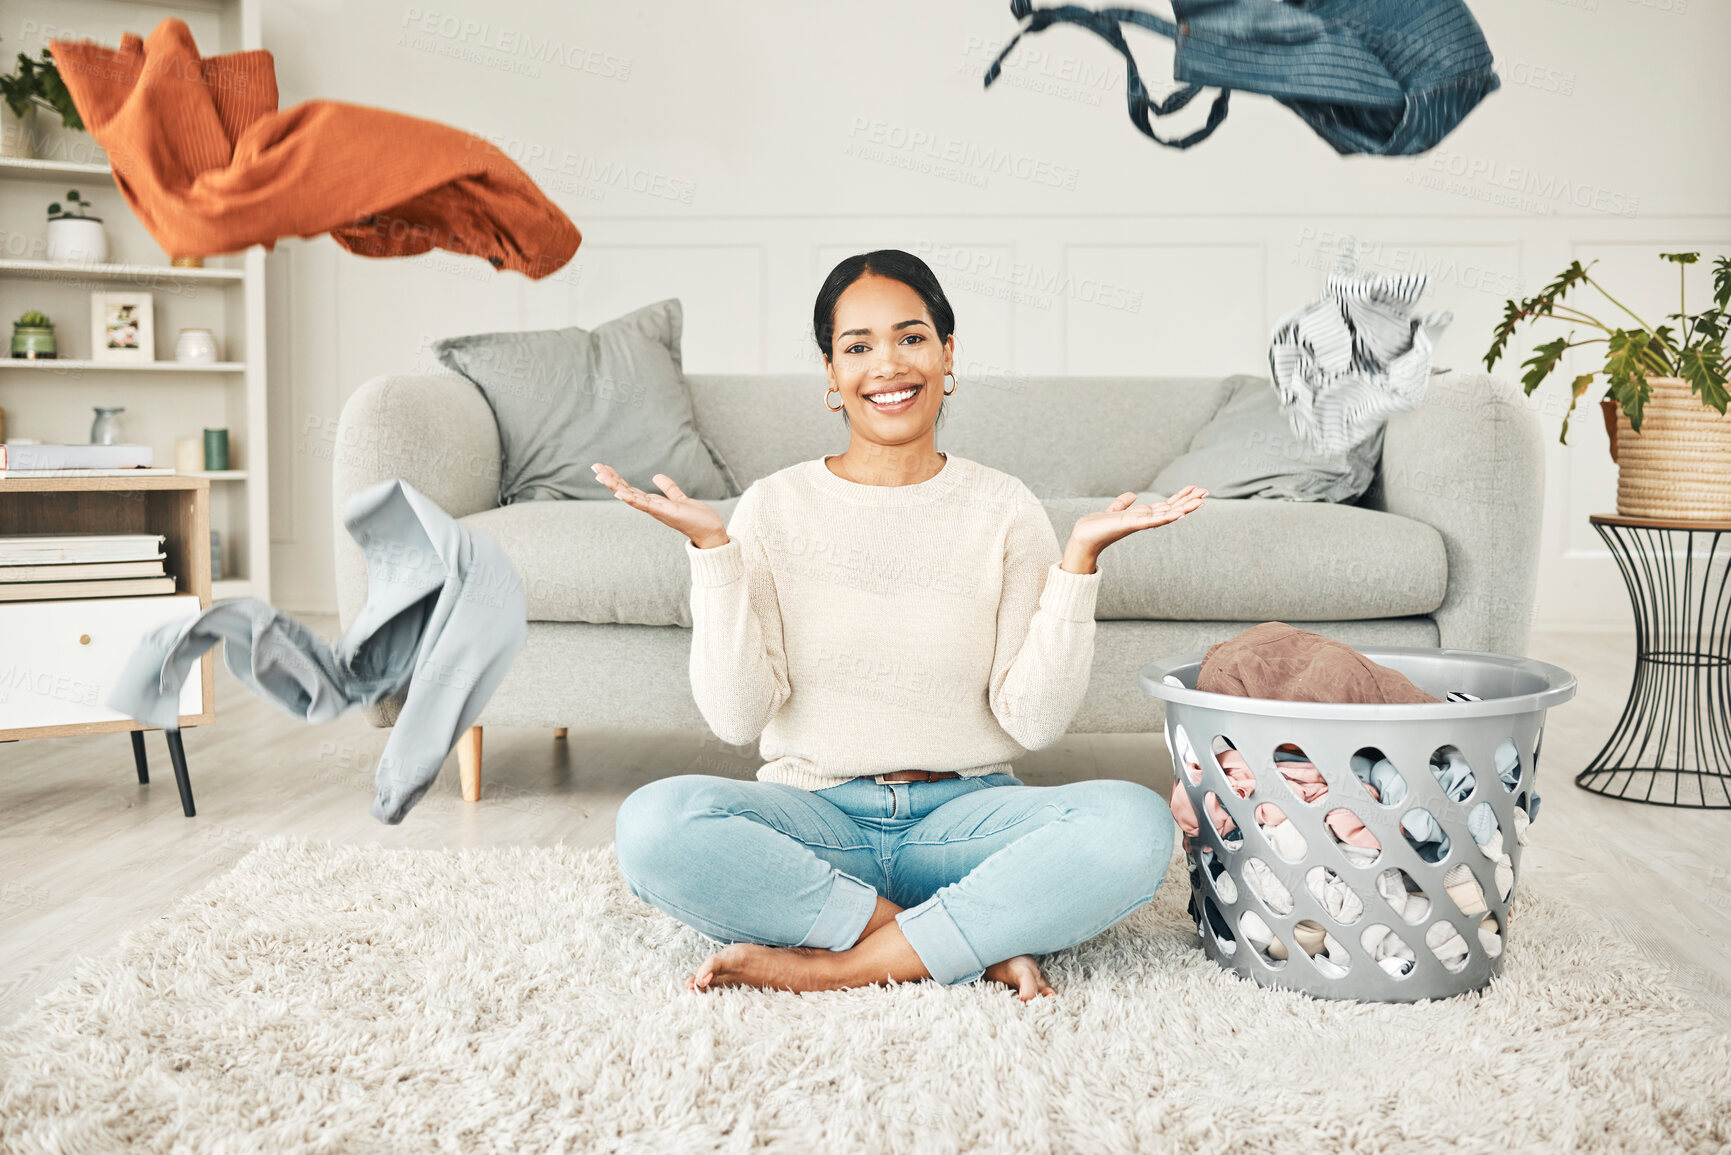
(36, 460)
(60, 566)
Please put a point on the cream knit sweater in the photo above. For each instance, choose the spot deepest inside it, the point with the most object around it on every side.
(864, 629)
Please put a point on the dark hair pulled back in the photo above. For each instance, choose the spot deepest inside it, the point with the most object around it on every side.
(897, 266)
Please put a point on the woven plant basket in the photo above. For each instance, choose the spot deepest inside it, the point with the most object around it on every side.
(1679, 466)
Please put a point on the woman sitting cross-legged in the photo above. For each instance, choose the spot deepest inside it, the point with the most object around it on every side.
(897, 624)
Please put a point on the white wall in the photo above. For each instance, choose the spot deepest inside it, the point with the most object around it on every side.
(729, 153)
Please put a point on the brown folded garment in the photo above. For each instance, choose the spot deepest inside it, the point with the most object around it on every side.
(1275, 660)
(210, 165)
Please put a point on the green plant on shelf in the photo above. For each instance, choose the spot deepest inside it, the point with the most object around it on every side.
(33, 337)
(37, 83)
(1694, 351)
(73, 210)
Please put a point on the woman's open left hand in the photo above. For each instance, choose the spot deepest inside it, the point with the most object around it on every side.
(1095, 531)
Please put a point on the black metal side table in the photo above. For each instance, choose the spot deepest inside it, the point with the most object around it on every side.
(1672, 746)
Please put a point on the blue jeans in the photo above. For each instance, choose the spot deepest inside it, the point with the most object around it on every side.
(986, 868)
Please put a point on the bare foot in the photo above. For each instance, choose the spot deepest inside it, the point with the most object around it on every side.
(1022, 974)
(786, 968)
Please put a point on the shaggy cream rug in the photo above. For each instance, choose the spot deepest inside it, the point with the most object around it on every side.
(358, 999)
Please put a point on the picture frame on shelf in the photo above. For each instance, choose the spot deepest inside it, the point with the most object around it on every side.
(122, 327)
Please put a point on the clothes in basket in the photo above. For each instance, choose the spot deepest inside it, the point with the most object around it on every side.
(1274, 660)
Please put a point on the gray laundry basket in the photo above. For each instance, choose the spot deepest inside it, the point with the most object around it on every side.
(1514, 693)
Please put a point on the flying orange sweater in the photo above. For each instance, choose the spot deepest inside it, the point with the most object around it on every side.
(208, 163)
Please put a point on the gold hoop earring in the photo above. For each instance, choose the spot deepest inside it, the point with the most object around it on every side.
(833, 408)
(953, 384)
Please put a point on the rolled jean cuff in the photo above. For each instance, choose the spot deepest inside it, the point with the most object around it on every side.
(845, 913)
(938, 941)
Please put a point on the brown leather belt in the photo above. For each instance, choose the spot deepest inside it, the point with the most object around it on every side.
(919, 775)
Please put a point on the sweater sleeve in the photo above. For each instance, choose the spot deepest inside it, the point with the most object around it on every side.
(1045, 645)
(738, 662)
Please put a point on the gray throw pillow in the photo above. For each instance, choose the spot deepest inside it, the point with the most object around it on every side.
(1249, 450)
(566, 398)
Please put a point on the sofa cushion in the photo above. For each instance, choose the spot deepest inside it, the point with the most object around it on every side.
(596, 561)
(564, 399)
(1248, 449)
(1254, 559)
(1250, 560)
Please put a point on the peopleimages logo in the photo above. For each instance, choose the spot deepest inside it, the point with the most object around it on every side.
(987, 273)
(1484, 178)
(967, 155)
(482, 34)
(1536, 76)
(1060, 75)
(1320, 249)
(590, 175)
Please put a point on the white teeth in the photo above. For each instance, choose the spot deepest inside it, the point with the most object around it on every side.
(891, 398)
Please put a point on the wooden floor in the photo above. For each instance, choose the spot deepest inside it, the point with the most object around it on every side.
(87, 853)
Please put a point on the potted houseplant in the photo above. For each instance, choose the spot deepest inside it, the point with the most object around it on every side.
(35, 84)
(17, 115)
(1665, 398)
(74, 236)
(33, 337)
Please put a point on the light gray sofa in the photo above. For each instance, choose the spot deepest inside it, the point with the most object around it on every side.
(1443, 550)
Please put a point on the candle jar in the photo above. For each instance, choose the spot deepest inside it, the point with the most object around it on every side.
(216, 450)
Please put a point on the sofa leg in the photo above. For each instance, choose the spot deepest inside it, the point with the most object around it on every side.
(469, 763)
(558, 733)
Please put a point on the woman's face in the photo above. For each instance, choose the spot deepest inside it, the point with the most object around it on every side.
(887, 361)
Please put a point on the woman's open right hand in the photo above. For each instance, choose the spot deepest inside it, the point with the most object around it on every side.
(689, 516)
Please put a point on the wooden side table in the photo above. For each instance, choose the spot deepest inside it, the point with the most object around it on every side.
(58, 658)
(1672, 745)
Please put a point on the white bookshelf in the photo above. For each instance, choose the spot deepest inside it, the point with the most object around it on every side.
(67, 366)
(140, 275)
(23, 168)
(164, 400)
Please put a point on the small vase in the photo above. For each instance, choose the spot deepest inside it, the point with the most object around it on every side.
(77, 241)
(34, 343)
(105, 430)
(195, 347)
(17, 133)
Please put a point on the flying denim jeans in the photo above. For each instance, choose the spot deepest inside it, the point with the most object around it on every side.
(985, 868)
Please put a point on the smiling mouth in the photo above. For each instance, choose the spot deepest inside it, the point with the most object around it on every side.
(894, 399)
